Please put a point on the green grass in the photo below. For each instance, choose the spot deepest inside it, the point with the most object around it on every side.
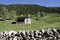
(44, 22)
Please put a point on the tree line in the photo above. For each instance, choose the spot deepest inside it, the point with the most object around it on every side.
(13, 10)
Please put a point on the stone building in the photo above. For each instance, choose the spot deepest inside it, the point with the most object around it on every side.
(23, 20)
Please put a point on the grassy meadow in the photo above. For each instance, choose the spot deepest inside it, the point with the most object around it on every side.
(49, 21)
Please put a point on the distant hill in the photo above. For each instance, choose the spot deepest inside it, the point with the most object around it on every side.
(30, 8)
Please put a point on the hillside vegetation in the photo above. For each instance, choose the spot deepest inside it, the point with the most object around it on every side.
(42, 17)
(29, 8)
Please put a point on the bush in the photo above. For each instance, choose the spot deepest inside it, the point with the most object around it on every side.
(1, 20)
(13, 23)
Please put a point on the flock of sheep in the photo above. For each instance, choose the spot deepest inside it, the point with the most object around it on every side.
(49, 34)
